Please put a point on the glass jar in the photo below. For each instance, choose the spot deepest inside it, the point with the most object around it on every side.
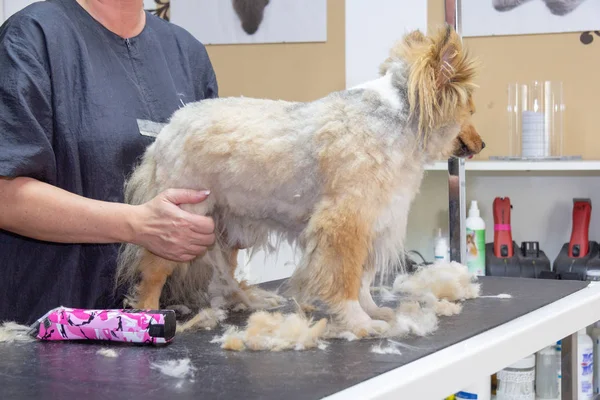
(536, 120)
(517, 382)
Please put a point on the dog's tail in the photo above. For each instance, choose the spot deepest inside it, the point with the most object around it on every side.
(139, 188)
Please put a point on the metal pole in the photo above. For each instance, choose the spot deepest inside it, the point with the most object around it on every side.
(457, 209)
(569, 380)
(456, 173)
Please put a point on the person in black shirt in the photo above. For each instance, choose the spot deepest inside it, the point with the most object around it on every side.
(85, 85)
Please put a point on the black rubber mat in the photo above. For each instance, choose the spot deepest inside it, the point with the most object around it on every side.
(70, 370)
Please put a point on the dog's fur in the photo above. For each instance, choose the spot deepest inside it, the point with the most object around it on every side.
(335, 177)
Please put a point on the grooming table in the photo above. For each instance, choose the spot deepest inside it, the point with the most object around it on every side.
(488, 335)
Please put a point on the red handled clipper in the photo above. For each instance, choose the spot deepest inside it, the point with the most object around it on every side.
(579, 243)
(503, 243)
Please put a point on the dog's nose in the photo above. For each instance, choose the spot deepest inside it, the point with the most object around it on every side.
(482, 145)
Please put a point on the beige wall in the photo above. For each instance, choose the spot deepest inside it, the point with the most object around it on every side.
(309, 70)
(295, 71)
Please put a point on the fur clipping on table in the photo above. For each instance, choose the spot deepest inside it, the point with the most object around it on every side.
(181, 368)
(432, 291)
(275, 332)
(110, 353)
(207, 319)
(445, 281)
(12, 332)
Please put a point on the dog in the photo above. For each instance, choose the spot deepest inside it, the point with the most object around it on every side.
(335, 177)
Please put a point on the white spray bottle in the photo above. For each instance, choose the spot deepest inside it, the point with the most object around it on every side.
(475, 241)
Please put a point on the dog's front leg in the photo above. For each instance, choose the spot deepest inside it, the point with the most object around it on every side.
(366, 299)
(337, 242)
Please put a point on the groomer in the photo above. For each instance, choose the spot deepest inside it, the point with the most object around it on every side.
(84, 87)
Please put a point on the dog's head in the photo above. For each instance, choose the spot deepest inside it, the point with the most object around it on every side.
(440, 83)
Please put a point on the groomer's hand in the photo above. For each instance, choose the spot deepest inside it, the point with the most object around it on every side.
(166, 230)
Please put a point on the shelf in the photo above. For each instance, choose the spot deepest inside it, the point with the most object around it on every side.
(568, 165)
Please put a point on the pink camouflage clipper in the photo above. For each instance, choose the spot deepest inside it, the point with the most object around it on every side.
(131, 326)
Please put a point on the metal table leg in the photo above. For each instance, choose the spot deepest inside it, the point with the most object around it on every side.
(568, 366)
(457, 209)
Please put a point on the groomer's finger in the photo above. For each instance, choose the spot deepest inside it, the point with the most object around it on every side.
(201, 224)
(195, 249)
(203, 240)
(185, 196)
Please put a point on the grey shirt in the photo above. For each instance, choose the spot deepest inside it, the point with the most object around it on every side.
(75, 101)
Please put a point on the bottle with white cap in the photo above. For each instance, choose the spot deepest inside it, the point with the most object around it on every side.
(475, 241)
(441, 250)
(594, 332)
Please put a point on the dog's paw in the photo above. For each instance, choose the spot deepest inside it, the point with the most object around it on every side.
(382, 313)
(263, 299)
(180, 310)
(370, 328)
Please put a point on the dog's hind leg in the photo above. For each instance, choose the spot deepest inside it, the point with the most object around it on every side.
(337, 242)
(154, 273)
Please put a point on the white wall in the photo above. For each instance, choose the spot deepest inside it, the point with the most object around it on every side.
(12, 6)
(542, 206)
(372, 27)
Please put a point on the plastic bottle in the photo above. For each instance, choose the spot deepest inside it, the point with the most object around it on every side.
(475, 241)
(441, 250)
(585, 360)
(546, 384)
(594, 332)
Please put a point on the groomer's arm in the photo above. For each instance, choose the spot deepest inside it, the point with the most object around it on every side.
(41, 211)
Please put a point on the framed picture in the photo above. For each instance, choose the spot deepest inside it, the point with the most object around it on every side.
(521, 17)
(252, 21)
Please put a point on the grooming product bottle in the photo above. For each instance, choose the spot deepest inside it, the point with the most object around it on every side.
(585, 362)
(594, 332)
(546, 384)
(441, 251)
(475, 241)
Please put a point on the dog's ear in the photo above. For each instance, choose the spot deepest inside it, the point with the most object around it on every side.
(440, 80)
(409, 41)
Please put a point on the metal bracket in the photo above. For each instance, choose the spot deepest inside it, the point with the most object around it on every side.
(456, 174)
(457, 210)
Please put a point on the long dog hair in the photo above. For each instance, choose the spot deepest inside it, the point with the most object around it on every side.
(335, 177)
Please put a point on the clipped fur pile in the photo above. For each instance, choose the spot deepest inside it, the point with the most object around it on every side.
(274, 331)
(430, 292)
(12, 332)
